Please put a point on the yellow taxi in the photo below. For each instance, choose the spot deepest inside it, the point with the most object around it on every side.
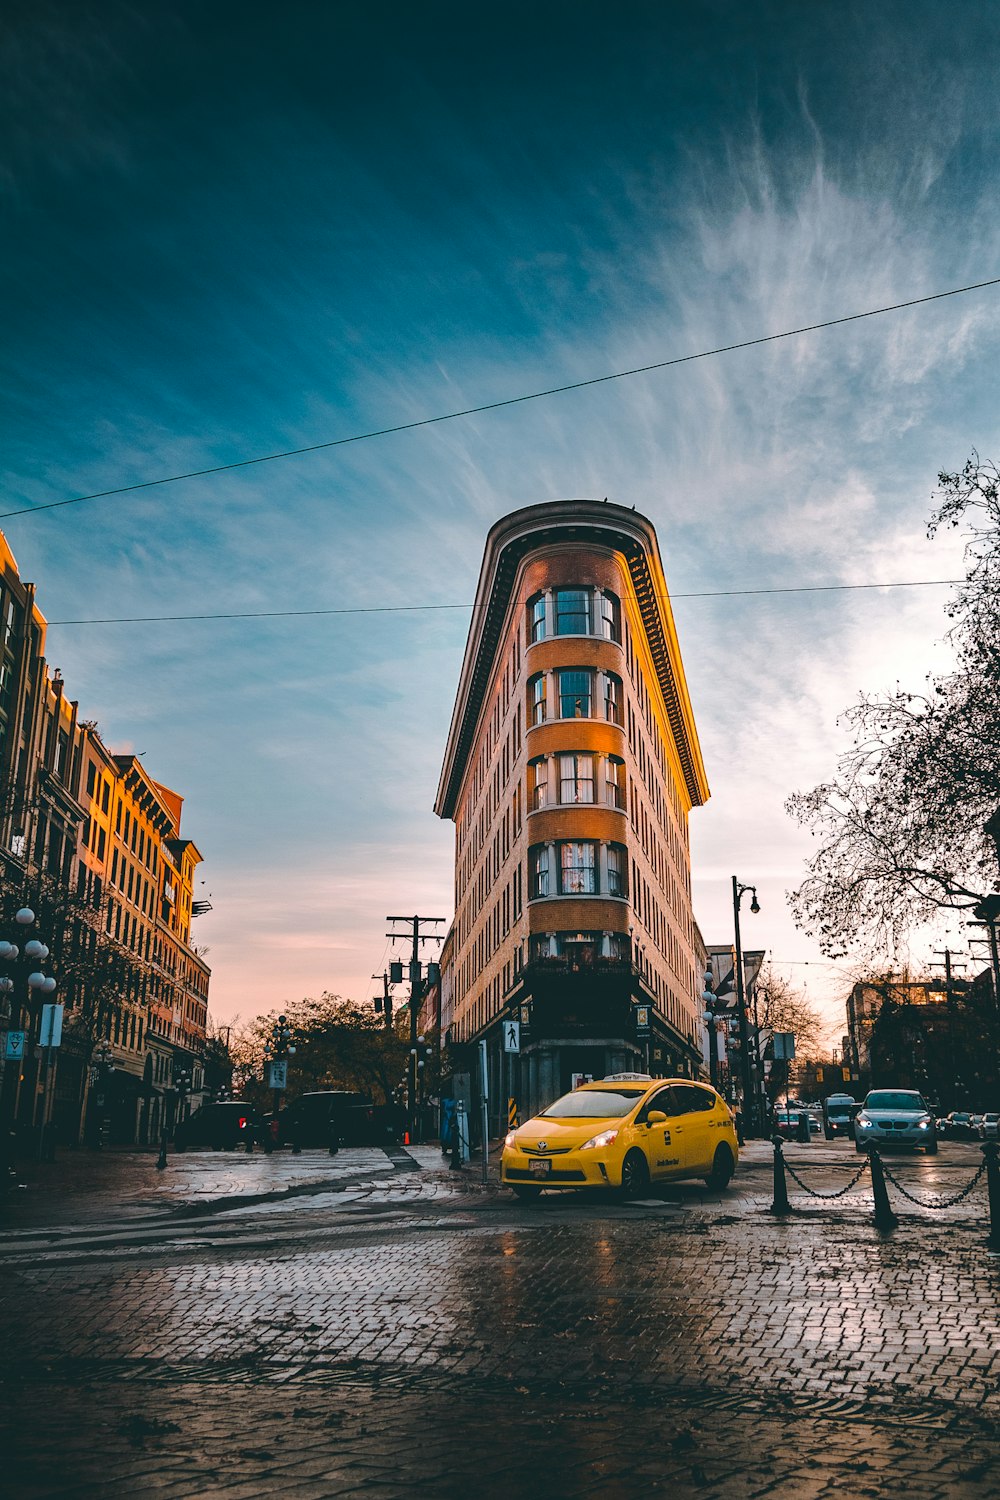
(626, 1132)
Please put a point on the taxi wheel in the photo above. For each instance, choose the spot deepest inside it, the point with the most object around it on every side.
(635, 1175)
(723, 1167)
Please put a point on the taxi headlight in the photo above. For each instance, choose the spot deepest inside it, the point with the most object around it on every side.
(604, 1139)
(510, 1137)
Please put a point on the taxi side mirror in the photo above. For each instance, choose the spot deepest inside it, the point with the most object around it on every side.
(656, 1117)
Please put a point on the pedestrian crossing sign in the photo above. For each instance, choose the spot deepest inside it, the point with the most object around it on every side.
(512, 1036)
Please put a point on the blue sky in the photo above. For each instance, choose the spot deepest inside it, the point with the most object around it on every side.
(235, 229)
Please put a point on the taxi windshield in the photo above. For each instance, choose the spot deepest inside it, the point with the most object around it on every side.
(593, 1104)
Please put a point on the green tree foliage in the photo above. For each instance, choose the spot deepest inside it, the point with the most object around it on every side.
(96, 976)
(900, 826)
(338, 1045)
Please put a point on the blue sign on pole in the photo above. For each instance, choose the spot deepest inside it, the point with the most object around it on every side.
(14, 1050)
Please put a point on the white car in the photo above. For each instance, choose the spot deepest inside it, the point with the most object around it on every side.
(895, 1117)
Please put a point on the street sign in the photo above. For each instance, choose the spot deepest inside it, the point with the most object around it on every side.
(14, 1050)
(277, 1075)
(784, 1046)
(512, 1036)
(52, 1019)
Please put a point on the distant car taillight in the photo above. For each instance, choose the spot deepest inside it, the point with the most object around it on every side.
(243, 1122)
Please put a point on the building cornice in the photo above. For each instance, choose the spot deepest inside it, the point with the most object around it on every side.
(510, 541)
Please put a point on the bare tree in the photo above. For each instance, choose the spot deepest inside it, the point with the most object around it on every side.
(901, 824)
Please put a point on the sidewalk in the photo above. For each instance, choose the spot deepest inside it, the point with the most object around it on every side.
(85, 1187)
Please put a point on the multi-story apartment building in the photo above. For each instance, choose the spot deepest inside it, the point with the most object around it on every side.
(571, 767)
(142, 873)
(94, 846)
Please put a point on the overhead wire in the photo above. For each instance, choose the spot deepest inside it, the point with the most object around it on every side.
(393, 609)
(487, 406)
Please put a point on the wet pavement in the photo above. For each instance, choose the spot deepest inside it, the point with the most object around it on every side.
(404, 1331)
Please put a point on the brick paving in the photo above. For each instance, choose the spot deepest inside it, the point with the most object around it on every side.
(414, 1334)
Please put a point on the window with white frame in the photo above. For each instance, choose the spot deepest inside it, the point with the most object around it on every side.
(573, 611)
(611, 620)
(578, 869)
(614, 784)
(575, 693)
(617, 866)
(536, 699)
(576, 778)
(612, 698)
(538, 783)
(540, 870)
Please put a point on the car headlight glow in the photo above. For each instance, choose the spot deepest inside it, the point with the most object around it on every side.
(924, 1124)
(596, 1141)
(863, 1120)
(510, 1138)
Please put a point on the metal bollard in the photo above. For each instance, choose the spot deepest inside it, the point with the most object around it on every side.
(161, 1160)
(991, 1152)
(802, 1129)
(780, 1204)
(885, 1219)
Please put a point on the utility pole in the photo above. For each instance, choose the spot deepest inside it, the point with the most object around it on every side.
(416, 992)
(386, 999)
(949, 994)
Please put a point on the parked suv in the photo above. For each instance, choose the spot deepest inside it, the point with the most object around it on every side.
(217, 1127)
(895, 1117)
(333, 1117)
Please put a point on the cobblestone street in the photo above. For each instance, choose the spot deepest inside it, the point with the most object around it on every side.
(406, 1331)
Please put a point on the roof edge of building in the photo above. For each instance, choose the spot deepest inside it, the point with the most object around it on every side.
(508, 542)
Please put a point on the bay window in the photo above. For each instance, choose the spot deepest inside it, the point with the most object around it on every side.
(575, 692)
(614, 785)
(576, 778)
(536, 618)
(578, 869)
(573, 611)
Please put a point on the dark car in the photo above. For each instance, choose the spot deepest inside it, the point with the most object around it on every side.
(959, 1125)
(333, 1117)
(217, 1127)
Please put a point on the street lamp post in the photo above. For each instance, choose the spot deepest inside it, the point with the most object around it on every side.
(710, 1002)
(749, 1097)
(102, 1065)
(277, 1050)
(18, 988)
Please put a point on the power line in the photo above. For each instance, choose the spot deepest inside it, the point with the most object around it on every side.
(471, 411)
(396, 609)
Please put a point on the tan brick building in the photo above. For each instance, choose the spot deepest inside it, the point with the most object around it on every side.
(571, 766)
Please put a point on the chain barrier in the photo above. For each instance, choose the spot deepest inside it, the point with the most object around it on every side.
(939, 1202)
(841, 1192)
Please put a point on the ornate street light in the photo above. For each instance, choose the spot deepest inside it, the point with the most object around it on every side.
(749, 1098)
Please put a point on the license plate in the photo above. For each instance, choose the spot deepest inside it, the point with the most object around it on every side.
(539, 1168)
